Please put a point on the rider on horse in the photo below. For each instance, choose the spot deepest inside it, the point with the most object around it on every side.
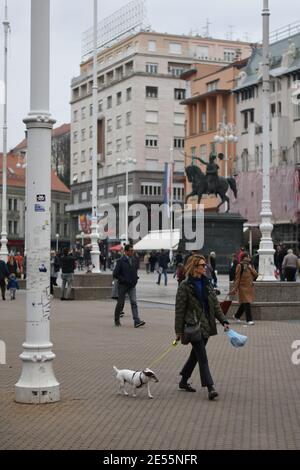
(211, 173)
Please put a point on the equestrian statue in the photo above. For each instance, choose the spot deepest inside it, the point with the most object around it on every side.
(209, 183)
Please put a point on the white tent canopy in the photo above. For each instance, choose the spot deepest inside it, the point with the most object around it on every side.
(158, 240)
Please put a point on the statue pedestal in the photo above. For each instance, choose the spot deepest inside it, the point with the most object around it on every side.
(223, 234)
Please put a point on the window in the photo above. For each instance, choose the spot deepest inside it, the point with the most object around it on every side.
(57, 207)
(257, 155)
(177, 69)
(203, 122)
(109, 148)
(119, 122)
(91, 153)
(128, 142)
(175, 48)
(75, 116)
(91, 132)
(109, 125)
(193, 153)
(273, 109)
(109, 102)
(151, 92)
(83, 176)
(119, 73)
(151, 141)
(152, 68)
(152, 117)
(58, 228)
(82, 156)
(273, 86)
(179, 118)
(119, 189)
(65, 230)
(151, 46)
(129, 67)
(203, 149)
(12, 204)
(119, 98)
(230, 55)
(179, 93)
(75, 137)
(82, 134)
(75, 158)
(178, 192)
(212, 85)
(83, 112)
(128, 94)
(245, 161)
(100, 106)
(75, 179)
(297, 108)
(100, 192)
(128, 118)
(84, 196)
(278, 84)
(110, 190)
(279, 108)
(118, 145)
(91, 110)
(202, 52)
(179, 166)
(151, 189)
(178, 143)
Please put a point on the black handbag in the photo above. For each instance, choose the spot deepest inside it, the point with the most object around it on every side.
(191, 334)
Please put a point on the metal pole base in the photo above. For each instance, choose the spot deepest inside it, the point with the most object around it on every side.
(37, 384)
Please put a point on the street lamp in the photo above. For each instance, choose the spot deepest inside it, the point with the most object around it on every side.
(3, 251)
(226, 133)
(24, 166)
(57, 237)
(266, 247)
(126, 161)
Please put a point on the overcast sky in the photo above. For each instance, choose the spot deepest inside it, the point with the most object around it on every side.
(70, 18)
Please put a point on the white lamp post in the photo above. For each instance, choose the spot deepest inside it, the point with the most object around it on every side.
(266, 247)
(24, 166)
(125, 162)
(226, 133)
(37, 383)
(95, 253)
(3, 251)
(171, 203)
(57, 237)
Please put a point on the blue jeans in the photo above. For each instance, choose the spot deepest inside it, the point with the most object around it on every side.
(67, 278)
(164, 272)
(123, 289)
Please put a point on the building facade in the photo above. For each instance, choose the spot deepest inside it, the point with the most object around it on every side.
(139, 116)
(284, 146)
(60, 197)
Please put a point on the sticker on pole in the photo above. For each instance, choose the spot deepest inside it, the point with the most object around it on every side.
(39, 208)
(41, 198)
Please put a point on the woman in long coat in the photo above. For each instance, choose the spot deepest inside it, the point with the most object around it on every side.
(197, 306)
(245, 276)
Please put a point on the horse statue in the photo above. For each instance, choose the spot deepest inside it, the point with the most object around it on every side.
(200, 186)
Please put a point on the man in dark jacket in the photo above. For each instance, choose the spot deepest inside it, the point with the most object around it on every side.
(126, 273)
(67, 263)
(4, 274)
(163, 261)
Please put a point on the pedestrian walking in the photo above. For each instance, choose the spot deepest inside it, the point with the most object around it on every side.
(232, 267)
(197, 308)
(289, 266)
(12, 286)
(67, 264)
(126, 274)
(12, 265)
(163, 261)
(147, 262)
(243, 285)
(4, 275)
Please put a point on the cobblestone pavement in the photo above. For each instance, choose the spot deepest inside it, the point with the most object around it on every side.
(259, 387)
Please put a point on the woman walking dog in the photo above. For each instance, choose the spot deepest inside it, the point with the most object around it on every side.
(196, 309)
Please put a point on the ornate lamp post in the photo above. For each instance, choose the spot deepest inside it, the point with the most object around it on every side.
(37, 383)
(24, 166)
(266, 247)
(226, 133)
(3, 251)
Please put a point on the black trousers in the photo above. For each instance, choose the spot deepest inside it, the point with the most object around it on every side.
(244, 308)
(198, 354)
(3, 288)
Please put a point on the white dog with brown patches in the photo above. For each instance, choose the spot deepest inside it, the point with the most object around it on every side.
(135, 378)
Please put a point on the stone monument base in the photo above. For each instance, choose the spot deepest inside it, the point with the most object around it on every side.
(89, 286)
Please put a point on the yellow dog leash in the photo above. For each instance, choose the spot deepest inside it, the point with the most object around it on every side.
(159, 358)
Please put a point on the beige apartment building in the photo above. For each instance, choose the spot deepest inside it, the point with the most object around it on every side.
(139, 116)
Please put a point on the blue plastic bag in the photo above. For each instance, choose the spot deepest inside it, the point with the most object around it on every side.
(236, 339)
